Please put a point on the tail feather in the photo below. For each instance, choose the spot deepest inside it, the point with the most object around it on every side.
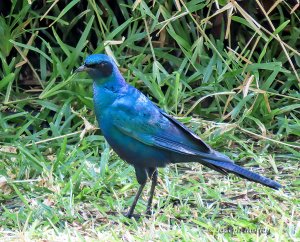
(241, 172)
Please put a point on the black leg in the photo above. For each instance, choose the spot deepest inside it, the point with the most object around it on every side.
(129, 214)
(153, 185)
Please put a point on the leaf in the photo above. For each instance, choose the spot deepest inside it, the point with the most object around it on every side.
(6, 80)
(64, 11)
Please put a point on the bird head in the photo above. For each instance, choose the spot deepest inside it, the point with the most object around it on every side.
(98, 66)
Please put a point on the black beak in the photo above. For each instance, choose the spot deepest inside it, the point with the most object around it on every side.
(81, 69)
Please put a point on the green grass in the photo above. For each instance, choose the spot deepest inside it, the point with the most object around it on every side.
(59, 180)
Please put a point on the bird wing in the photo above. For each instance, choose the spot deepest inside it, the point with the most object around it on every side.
(145, 122)
(187, 131)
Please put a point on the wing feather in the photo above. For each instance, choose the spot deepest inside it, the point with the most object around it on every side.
(151, 126)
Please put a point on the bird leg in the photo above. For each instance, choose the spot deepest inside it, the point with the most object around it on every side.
(129, 214)
(153, 185)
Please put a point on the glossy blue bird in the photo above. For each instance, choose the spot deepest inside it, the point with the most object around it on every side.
(144, 135)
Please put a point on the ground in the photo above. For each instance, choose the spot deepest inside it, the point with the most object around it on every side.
(228, 70)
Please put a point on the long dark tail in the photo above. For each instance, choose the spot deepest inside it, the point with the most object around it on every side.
(224, 167)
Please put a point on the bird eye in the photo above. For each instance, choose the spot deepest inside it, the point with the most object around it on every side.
(106, 68)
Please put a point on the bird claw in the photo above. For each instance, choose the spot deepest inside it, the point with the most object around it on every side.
(135, 216)
(149, 213)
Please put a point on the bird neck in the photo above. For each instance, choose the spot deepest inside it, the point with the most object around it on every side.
(106, 91)
(114, 82)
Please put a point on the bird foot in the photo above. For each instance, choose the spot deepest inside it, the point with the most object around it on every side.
(149, 213)
(135, 216)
